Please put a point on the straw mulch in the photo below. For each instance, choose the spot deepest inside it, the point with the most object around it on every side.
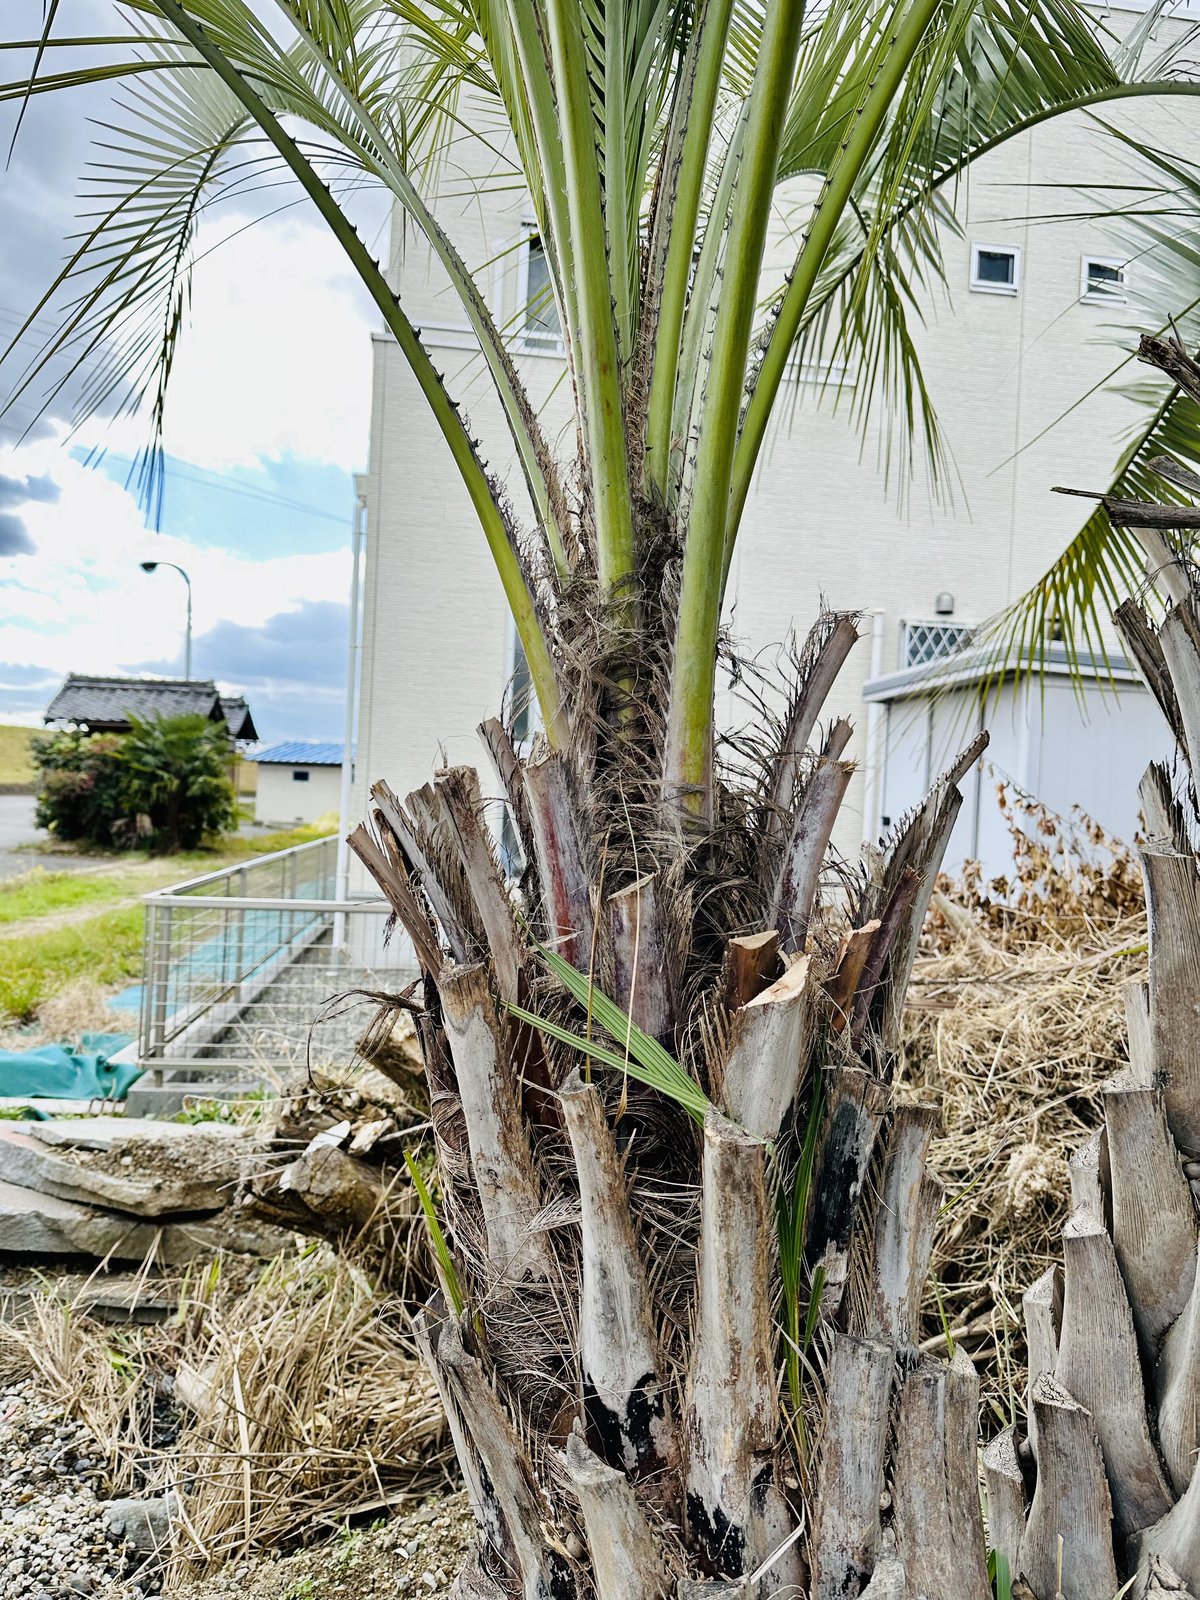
(310, 1405)
(1015, 1019)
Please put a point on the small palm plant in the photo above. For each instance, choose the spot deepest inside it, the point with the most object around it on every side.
(175, 772)
(688, 1227)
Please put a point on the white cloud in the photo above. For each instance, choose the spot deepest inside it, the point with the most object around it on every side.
(274, 365)
(81, 603)
(277, 357)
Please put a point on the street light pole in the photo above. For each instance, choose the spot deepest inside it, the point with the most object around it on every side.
(153, 566)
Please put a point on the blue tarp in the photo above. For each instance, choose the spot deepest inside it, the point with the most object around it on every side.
(54, 1073)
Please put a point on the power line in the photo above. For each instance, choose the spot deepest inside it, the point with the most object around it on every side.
(226, 484)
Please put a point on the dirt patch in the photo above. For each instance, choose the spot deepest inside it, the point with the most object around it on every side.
(416, 1555)
(215, 1156)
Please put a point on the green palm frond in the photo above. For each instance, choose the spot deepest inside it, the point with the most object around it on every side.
(653, 137)
(446, 1269)
(644, 1058)
(122, 295)
(676, 1086)
(1073, 600)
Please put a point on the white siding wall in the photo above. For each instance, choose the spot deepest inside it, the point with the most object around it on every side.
(281, 798)
(824, 519)
(1044, 742)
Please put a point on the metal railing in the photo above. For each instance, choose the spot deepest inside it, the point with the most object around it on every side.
(241, 965)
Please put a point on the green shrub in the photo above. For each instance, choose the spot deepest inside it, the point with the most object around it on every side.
(80, 788)
(165, 784)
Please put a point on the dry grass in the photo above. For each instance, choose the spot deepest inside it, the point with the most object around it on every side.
(110, 1378)
(15, 763)
(79, 1007)
(312, 1405)
(1015, 1019)
(302, 1402)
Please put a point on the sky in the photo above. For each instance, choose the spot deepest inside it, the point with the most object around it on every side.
(267, 420)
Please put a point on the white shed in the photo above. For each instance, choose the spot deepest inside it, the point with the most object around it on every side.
(298, 781)
(1063, 743)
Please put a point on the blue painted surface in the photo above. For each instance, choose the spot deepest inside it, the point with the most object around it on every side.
(301, 753)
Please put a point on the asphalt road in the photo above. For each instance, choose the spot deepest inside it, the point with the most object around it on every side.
(17, 832)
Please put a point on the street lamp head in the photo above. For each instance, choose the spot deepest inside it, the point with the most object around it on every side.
(153, 566)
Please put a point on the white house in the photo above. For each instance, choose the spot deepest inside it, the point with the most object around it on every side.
(298, 781)
(1016, 352)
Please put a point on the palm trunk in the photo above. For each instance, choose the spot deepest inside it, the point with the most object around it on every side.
(692, 1229)
(614, 1383)
(1114, 1400)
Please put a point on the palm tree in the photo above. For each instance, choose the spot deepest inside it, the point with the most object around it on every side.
(687, 1229)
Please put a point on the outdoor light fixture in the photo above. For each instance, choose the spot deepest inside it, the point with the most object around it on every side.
(153, 566)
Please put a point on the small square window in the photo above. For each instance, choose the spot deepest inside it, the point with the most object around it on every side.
(922, 642)
(1103, 280)
(299, 777)
(995, 268)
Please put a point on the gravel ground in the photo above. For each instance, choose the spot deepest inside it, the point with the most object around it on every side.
(54, 1544)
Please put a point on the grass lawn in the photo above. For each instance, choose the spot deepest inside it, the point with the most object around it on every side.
(107, 948)
(15, 765)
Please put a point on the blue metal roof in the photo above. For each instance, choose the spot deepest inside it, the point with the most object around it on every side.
(301, 753)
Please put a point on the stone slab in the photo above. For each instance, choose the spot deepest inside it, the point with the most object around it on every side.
(147, 1188)
(43, 1225)
(116, 1297)
(101, 1133)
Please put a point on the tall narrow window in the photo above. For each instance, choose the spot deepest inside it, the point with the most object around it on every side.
(542, 327)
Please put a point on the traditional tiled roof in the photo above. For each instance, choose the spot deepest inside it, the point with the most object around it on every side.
(301, 753)
(106, 704)
(237, 718)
